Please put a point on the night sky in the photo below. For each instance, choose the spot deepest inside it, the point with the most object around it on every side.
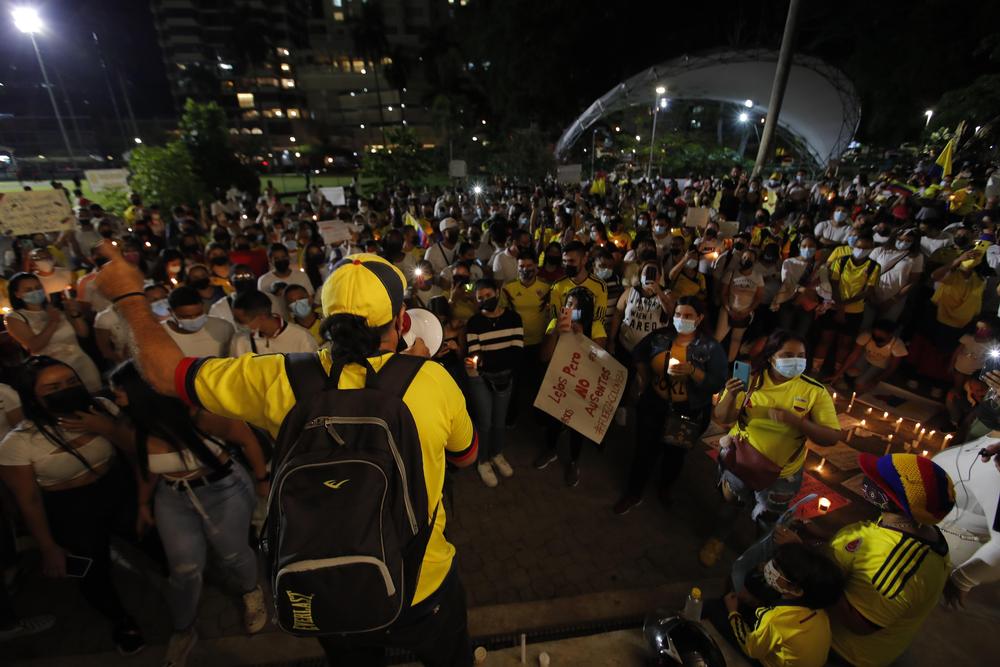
(128, 39)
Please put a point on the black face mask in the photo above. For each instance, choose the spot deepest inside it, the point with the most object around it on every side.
(221, 260)
(199, 284)
(740, 246)
(69, 400)
(451, 236)
(551, 260)
(746, 263)
(570, 270)
(461, 280)
(281, 265)
(243, 286)
(314, 259)
(490, 304)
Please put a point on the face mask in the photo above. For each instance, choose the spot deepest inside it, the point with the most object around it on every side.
(684, 326)
(604, 273)
(671, 215)
(300, 308)
(490, 304)
(526, 274)
(576, 315)
(451, 236)
(746, 264)
(281, 265)
(659, 230)
(790, 367)
(740, 246)
(570, 270)
(807, 253)
(691, 264)
(245, 285)
(160, 308)
(775, 580)
(903, 245)
(861, 253)
(191, 325)
(839, 216)
(35, 297)
(199, 284)
(314, 259)
(798, 178)
(45, 265)
(594, 236)
(69, 400)
(851, 239)
(642, 222)
(551, 260)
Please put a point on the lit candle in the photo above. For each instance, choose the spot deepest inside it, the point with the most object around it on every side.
(822, 462)
(916, 427)
(946, 439)
(923, 453)
(850, 434)
(868, 411)
(885, 415)
(920, 437)
(851, 404)
(931, 434)
(888, 448)
(835, 396)
(824, 505)
(899, 423)
(864, 423)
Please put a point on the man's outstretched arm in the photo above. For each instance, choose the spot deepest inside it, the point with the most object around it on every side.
(156, 352)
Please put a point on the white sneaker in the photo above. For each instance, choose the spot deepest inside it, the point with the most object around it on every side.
(254, 613)
(621, 416)
(486, 472)
(502, 466)
(179, 647)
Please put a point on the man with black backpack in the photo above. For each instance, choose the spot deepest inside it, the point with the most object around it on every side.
(354, 540)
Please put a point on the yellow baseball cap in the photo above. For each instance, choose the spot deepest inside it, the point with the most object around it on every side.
(365, 285)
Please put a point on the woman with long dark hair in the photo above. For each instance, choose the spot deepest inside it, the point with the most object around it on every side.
(787, 407)
(196, 495)
(678, 368)
(74, 493)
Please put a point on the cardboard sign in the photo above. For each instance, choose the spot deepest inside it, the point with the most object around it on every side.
(30, 212)
(457, 169)
(696, 217)
(335, 231)
(728, 229)
(335, 195)
(582, 387)
(570, 173)
(106, 179)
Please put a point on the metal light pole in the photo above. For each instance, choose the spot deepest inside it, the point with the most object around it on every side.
(778, 87)
(27, 20)
(660, 91)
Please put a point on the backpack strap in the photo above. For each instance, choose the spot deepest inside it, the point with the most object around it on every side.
(397, 373)
(305, 374)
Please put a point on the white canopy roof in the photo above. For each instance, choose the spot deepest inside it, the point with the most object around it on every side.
(820, 109)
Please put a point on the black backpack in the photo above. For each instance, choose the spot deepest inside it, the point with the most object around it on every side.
(346, 525)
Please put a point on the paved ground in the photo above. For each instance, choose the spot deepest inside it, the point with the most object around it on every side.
(529, 546)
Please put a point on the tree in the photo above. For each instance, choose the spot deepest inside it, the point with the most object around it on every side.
(404, 159)
(165, 175)
(524, 155)
(204, 133)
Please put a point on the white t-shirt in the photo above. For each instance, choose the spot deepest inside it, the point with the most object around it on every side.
(9, 400)
(971, 354)
(212, 340)
(504, 267)
(440, 257)
(742, 288)
(296, 277)
(407, 266)
(838, 235)
(291, 338)
(879, 357)
(109, 320)
(897, 268)
(642, 316)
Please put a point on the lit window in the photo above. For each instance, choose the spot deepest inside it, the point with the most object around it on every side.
(285, 67)
(386, 60)
(233, 130)
(338, 3)
(338, 16)
(256, 130)
(282, 51)
(288, 83)
(293, 113)
(358, 65)
(273, 113)
(267, 81)
(251, 115)
(245, 100)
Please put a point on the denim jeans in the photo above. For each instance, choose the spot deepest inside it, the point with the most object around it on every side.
(489, 405)
(222, 521)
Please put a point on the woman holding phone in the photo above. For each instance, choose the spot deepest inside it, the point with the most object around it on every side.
(575, 317)
(787, 407)
(678, 369)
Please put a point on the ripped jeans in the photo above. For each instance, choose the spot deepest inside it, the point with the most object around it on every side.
(220, 518)
(765, 506)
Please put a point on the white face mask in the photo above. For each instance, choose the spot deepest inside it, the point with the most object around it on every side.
(861, 253)
(903, 245)
(774, 579)
(839, 216)
(790, 367)
(684, 326)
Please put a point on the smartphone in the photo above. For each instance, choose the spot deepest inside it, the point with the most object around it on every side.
(741, 371)
(78, 566)
(56, 299)
(649, 275)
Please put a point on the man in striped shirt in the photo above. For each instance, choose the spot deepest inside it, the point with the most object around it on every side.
(495, 338)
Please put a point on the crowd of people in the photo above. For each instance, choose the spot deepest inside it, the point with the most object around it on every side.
(735, 299)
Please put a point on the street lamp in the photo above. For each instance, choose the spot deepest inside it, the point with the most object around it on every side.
(744, 117)
(660, 102)
(27, 20)
(928, 113)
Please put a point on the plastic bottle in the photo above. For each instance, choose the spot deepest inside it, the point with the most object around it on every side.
(692, 606)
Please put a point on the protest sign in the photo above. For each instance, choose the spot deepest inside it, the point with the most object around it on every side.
(335, 231)
(697, 217)
(569, 173)
(106, 179)
(335, 195)
(582, 387)
(728, 229)
(457, 169)
(33, 211)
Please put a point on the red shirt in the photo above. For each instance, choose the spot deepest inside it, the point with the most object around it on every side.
(255, 259)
